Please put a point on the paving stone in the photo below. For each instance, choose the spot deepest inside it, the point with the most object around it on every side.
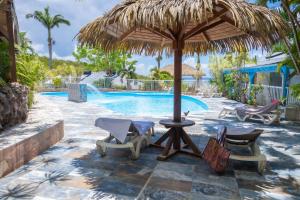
(151, 193)
(176, 171)
(73, 169)
(109, 185)
(63, 193)
(214, 191)
(170, 184)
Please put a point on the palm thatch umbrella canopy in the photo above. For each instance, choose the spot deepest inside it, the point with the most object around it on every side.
(187, 70)
(184, 27)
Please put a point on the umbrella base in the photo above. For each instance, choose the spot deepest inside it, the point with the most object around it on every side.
(178, 141)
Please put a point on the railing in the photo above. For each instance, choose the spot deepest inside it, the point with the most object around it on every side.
(188, 86)
(291, 99)
(192, 87)
(270, 93)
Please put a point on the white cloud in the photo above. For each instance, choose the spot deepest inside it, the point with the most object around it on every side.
(206, 69)
(69, 57)
(143, 69)
(190, 61)
(39, 48)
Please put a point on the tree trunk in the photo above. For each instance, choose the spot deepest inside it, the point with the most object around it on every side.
(11, 41)
(50, 48)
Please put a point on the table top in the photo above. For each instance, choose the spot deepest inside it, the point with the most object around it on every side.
(171, 123)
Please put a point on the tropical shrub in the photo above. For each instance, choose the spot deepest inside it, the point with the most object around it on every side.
(30, 71)
(184, 87)
(236, 86)
(103, 83)
(57, 82)
(254, 91)
(296, 90)
(4, 62)
(119, 87)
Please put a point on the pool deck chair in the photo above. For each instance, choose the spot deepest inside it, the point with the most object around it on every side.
(124, 134)
(246, 137)
(230, 110)
(267, 114)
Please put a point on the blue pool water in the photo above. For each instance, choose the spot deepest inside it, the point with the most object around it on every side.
(139, 103)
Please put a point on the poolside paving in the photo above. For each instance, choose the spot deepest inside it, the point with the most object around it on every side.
(72, 169)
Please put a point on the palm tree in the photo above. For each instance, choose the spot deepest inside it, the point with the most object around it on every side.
(24, 45)
(199, 72)
(289, 10)
(158, 59)
(48, 22)
(128, 70)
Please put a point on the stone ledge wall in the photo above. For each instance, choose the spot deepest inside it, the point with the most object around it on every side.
(43, 128)
(21, 152)
(13, 105)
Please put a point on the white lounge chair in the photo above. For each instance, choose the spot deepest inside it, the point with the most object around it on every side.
(229, 110)
(124, 134)
(267, 114)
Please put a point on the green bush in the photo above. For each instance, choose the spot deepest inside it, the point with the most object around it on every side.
(119, 87)
(103, 83)
(253, 93)
(296, 90)
(30, 71)
(236, 85)
(57, 82)
(184, 87)
(4, 62)
(30, 98)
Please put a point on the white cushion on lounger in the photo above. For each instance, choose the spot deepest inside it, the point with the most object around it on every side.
(117, 127)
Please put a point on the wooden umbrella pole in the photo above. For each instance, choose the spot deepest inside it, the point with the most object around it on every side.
(178, 47)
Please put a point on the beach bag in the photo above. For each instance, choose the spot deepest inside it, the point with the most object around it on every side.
(215, 153)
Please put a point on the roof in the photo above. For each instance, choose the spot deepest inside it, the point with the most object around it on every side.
(3, 18)
(187, 70)
(259, 69)
(147, 27)
(265, 64)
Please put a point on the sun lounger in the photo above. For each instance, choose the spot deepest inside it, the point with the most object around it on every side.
(229, 110)
(208, 92)
(124, 134)
(267, 114)
(246, 138)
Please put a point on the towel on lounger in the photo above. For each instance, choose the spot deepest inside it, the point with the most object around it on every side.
(116, 127)
(119, 127)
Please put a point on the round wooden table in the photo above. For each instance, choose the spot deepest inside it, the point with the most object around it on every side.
(175, 135)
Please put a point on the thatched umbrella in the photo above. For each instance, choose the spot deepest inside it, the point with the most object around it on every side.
(187, 70)
(184, 27)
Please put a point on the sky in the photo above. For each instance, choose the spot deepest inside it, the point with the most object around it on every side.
(79, 13)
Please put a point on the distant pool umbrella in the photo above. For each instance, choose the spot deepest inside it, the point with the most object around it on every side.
(183, 27)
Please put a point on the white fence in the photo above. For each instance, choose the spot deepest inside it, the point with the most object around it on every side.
(270, 93)
(188, 86)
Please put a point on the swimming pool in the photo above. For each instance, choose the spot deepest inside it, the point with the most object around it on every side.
(139, 103)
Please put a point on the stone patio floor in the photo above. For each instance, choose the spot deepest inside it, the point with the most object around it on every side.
(72, 169)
